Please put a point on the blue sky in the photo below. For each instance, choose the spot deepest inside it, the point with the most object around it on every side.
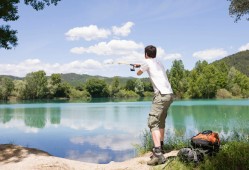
(92, 37)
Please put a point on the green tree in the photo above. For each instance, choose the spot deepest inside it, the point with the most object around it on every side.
(126, 94)
(6, 87)
(177, 78)
(238, 83)
(57, 88)
(200, 65)
(148, 86)
(203, 81)
(208, 81)
(53, 84)
(139, 87)
(9, 12)
(36, 85)
(222, 74)
(115, 86)
(97, 87)
(193, 90)
(239, 8)
(19, 89)
(63, 90)
(130, 85)
(196, 80)
(55, 79)
(78, 94)
(231, 78)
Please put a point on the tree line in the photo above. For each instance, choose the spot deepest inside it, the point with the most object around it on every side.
(215, 80)
(37, 85)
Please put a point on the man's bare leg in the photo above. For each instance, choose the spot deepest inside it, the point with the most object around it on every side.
(157, 157)
(162, 134)
(156, 136)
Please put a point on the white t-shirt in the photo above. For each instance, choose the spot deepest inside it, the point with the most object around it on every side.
(157, 76)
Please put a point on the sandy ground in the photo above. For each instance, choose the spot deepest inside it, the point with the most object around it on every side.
(13, 157)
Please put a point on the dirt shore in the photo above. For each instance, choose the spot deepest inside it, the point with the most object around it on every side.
(14, 157)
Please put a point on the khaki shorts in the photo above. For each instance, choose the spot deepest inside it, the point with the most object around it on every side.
(158, 113)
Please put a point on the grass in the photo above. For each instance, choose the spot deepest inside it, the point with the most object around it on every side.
(172, 143)
(233, 154)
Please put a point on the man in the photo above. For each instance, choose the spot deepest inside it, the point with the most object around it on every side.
(162, 99)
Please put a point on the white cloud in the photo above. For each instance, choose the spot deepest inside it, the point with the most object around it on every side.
(88, 156)
(125, 30)
(91, 32)
(115, 142)
(210, 54)
(31, 65)
(108, 61)
(113, 47)
(17, 124)
(173, 56)
(244, 47)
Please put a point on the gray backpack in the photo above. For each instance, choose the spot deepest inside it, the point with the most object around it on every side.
(189, 155)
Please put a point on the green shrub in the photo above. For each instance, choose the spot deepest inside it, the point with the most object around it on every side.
(148, 94)
(77, 94)
(233, 155)
(126, 94)
(223, 94)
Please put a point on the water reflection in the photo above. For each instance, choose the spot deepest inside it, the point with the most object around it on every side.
(35, 117)
(104, 132)
(6, 115)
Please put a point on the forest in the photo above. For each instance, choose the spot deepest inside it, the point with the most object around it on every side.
(204, 81)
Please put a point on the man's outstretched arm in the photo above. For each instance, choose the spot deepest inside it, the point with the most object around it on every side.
(139, 72)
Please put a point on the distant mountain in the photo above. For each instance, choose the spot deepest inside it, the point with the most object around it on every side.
(79, 79)
(11, 77)
(240, 61)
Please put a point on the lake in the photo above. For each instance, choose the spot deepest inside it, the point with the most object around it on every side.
(101, 132)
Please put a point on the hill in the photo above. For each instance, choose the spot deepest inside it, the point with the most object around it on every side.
(240, 61)
(11, 77)
(79, 79)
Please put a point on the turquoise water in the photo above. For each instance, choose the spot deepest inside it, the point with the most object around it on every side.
(101, 132)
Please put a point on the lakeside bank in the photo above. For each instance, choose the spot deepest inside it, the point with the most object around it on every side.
(14, 157)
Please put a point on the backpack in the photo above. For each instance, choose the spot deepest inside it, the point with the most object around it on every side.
(206, 140)
(188, 155)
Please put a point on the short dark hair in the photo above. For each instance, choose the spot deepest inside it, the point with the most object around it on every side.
(150, 50)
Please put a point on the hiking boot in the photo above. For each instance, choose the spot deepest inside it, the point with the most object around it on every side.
(156, 160)
(163, 152)
(153, 150)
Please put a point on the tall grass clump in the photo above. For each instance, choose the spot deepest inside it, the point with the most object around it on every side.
(176, 141)
(146, 143)
(233, 155)
(171, 142)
